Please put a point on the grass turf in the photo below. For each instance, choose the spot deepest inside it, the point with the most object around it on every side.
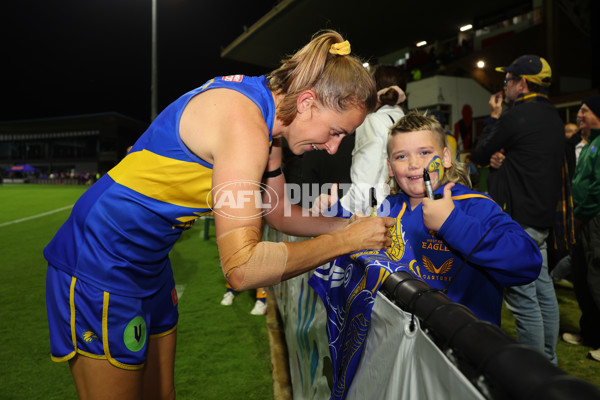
(222, 352)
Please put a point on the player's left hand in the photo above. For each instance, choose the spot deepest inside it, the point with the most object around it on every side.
(436, 212)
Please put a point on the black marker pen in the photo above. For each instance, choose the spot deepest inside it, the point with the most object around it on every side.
(427, 181)
(373, 201)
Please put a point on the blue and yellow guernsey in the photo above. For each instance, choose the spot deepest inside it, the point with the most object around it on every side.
(121, 230)
(496, 251)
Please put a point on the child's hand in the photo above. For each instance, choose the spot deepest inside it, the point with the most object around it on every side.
(436, 212)
(325, 201)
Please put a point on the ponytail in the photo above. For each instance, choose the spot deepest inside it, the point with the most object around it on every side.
(325, 66)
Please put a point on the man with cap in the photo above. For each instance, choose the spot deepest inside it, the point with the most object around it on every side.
(586, 203)
(524, 147)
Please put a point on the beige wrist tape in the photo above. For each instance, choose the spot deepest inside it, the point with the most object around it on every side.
(263, 263)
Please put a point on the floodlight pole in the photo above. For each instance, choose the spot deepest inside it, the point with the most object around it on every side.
(154, 83)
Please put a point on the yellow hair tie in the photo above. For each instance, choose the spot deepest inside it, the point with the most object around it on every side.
(341, 49)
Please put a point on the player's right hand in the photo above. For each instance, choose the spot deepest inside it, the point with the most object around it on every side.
(369, 233)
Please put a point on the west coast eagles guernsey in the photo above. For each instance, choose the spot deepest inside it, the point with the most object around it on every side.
(500, 253)
(121, 230)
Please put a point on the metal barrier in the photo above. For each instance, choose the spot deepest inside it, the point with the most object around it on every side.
(498, 366)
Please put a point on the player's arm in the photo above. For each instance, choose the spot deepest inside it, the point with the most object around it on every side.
(286, 217)
(236, 142)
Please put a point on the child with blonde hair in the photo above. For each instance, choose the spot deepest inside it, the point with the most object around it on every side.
(462, 241)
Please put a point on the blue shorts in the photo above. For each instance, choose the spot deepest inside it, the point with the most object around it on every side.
(86, 320)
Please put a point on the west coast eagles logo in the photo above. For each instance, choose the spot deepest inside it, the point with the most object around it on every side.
(89, 336)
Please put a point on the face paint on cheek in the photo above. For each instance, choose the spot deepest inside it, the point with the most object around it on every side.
(435, 165)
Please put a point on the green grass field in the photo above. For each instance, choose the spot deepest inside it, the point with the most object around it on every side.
(222, 352)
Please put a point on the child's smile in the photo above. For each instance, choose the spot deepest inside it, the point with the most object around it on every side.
(411, 152)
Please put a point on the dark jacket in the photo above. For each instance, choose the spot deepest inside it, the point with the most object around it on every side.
(527, 185)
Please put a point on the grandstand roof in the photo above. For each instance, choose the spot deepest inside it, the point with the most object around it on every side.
(374, 28)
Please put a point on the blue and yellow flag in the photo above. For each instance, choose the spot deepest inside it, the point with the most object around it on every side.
(348, 287)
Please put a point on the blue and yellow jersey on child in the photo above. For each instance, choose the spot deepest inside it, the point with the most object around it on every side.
(121, 230)
(495, 250)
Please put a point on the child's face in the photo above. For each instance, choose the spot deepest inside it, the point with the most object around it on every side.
(409, 154)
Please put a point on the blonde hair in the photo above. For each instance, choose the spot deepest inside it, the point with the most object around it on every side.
(416, 121)
(339, 81)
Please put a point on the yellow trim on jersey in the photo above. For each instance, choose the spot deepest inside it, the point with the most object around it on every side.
(63, 358)
(72, 307)
(177, 182)
(469, 196)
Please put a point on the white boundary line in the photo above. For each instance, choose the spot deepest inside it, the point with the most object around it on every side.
(16, 221)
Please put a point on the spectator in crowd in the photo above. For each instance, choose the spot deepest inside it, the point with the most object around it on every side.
(260, 305)
(586, 257)
(524, 147)
(111, 299)
(464, 129)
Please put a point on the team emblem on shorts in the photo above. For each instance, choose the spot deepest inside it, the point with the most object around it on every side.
(134, 336)
(89, 336)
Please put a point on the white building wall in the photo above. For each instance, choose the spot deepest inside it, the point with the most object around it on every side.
(449, 90)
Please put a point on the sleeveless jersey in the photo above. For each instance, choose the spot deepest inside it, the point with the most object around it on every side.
(121, 230)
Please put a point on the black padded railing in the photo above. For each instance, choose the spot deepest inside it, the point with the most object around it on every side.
(498, 366)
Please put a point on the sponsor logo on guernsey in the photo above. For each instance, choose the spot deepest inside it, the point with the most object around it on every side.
(134, 335)
(89, 336)
(233, 78)
(437, 274)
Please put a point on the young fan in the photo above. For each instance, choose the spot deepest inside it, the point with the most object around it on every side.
(462, 241)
